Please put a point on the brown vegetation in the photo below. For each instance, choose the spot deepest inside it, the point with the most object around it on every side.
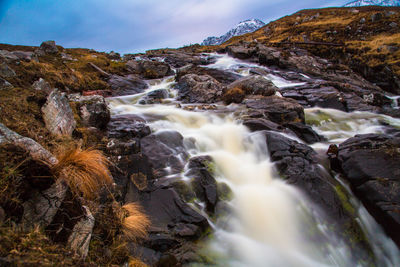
(134, 222)
(85, 171)
(233, 95)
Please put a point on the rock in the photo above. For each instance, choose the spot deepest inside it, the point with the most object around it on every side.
(5, 84)
(376, 17)
(93, 111)
(370, 163)
(193, 88)
(277, 109)
(79, 239)
(165, 151)
(42, 85)
(127, 127)
(68, 57)
(103, 93)
(155, 69)
(43, 206)
(126, 85)
(222, 76)
(269, 56)
(262, 124)
(167, 210)
(304, 132)
(203, 183)
(8, 56)
(48, 47)
(393, 25)
(114, 56)
(251, 85)
(58, 115)
(154, 97)
(240, 52)
(6, 71)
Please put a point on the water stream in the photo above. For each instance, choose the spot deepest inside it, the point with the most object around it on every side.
(269, 221)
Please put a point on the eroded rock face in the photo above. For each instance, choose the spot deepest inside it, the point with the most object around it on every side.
(240, 52)
(58, 115)
(371, 165)
(199, 89)
(5, 84)
(6, 71)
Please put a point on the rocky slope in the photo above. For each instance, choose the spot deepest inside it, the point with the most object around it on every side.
(78, 113)
(242, 28)
(366, 39)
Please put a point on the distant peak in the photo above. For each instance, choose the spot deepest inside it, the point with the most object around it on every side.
(243, 27)
(357, 3)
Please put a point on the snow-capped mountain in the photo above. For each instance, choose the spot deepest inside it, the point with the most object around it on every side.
(373, 2)
(243, 27)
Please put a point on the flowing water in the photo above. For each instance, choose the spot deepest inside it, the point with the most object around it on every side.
(269, 223)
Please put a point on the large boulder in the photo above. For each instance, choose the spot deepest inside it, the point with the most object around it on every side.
(240, 52)
(126, 85)
(280, 110)
(58, 115)
(127, 127)
(251, 85)
(48, 47)
(42, 85)
(194, 88)
(149, 69)
(222, 76)
(370, 163)
(154, 97)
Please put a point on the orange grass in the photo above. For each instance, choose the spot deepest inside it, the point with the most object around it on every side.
(85, 171)
(134, 222)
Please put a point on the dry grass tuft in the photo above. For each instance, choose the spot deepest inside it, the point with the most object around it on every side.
(234, 95)
(136, 263)
(133, 221)
(85, 171)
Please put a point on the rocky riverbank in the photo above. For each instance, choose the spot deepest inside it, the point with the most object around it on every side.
(62, 98)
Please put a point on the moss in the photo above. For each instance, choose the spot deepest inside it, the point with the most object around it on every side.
(224, 192)
(345, 200)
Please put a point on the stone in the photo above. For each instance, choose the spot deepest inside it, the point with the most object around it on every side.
(8, 56)
(165, 151)
(154, 97)
(155, 69)
(93, 111)
(126, 85)
(393, 24)
(48, 47)
(222, 76)
(304, 132)
(42, 85)
(240, 52)
(277, 109)
(126, 127)
(43, 206)
(58, 115)
(370, 163)
(5, 85)
(81, 235)
(114, 56)
(6, 71)
(193, 88)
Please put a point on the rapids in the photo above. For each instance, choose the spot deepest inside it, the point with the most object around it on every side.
(269, 222)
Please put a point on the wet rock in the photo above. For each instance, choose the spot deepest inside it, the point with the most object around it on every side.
(5, 84)
(304, 132)
(240, 52)
(167, 210)
(224, 77)
(298, 165)
(154, 97)
(58, 115)
(42, 85)
(203, 183)
(269, 56)
(6, 71)
(262, 124)
(81, 235)
(93, 111)
(126, 85)
(155, 69)
(126, 127)
(193, 88)
(277, 109)
(165, 151)
(370, 163)
(251, 85)
(48, 47)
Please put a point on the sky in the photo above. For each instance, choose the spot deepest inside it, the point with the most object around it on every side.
(130, 26)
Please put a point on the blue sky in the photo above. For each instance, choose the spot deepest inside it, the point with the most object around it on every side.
(134, 25)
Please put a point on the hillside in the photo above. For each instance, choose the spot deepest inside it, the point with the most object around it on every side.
(365, 38)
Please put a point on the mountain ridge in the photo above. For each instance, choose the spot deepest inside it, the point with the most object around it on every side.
(241, 28)
(358, 3)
